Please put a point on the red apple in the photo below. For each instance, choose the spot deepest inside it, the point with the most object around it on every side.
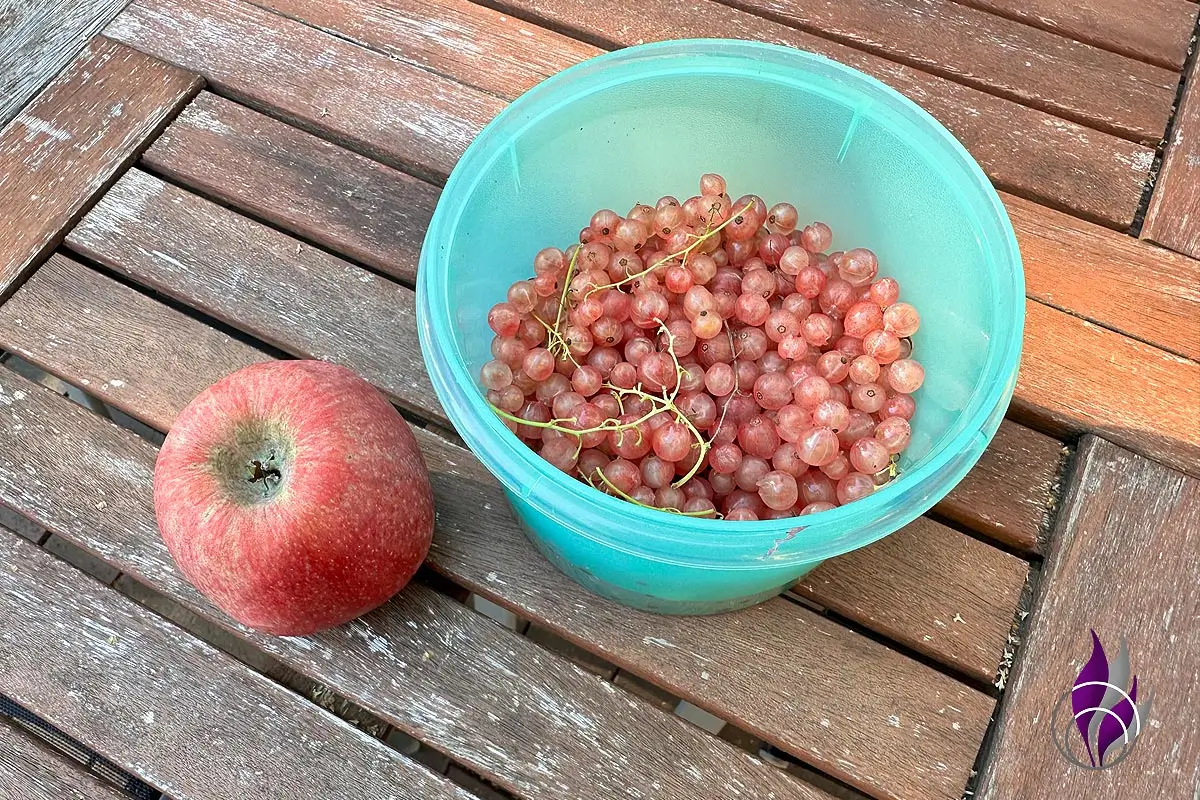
(293, 495)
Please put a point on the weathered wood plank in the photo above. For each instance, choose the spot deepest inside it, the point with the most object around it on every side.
(502, 54)
(390, 110)
(38, 772)
(297, 181)
(1024, 150)
(1122, 564)
(1009, 493)
(1173, 217)
(1047, 71)
(103, 313)
(296, 297)
(145, 693)
(424, 663)
(498, 562)
(1076, 376)
(961, 617)
(1157, 31)
(70, 142)
(1115, 280)
(38, 38)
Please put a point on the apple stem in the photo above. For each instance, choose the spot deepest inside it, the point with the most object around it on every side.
(266, 473)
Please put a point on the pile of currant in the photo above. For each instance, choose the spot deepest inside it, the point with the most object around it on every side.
(709, 358)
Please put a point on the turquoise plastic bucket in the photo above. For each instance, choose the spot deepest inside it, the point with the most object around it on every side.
(632, 125)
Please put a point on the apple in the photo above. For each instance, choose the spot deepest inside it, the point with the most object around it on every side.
(293, 495)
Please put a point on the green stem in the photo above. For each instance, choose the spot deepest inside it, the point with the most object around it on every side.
(682, 253)
(624, 496)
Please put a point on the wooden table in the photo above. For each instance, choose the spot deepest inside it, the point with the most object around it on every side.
(214, 183)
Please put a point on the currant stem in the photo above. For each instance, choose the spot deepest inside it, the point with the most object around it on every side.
(682, 253)
(624, 496)
(567, 288)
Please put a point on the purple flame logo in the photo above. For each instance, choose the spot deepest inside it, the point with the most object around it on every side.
(1104, 713)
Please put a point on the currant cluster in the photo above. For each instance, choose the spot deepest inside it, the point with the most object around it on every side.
(709, 358)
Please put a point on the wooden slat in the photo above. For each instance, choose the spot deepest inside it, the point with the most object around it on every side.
(1027, 151)
(503, 54)
(38, 38)
(1024, 150)
(859, 743)
(244, 272)
(1120, 282)
(72, 139)
(390, 110)
(1009, 493)
(1122, 564)
(1076, 376)
(963, 618)
(1173, 217)
(325, 193)
(145, 694)
(38, 772)
(376, 215)
(1023, 63)
(1157, 31)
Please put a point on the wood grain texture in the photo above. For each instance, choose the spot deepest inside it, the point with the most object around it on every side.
(145, 694)
(1173, 217)
(38, 38)
(503, 54)
(105, 314)
(1007, 496)
(390, 110)
(1115, 280)
(803, 667)
(1121, 565)
(1047, 71)
(962, 617)
(58, 153)
(1076, 376)
(38, 772)
(300, 182)
(298, 298)
(529, 721)
(1157, 31)
(1024, 150)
